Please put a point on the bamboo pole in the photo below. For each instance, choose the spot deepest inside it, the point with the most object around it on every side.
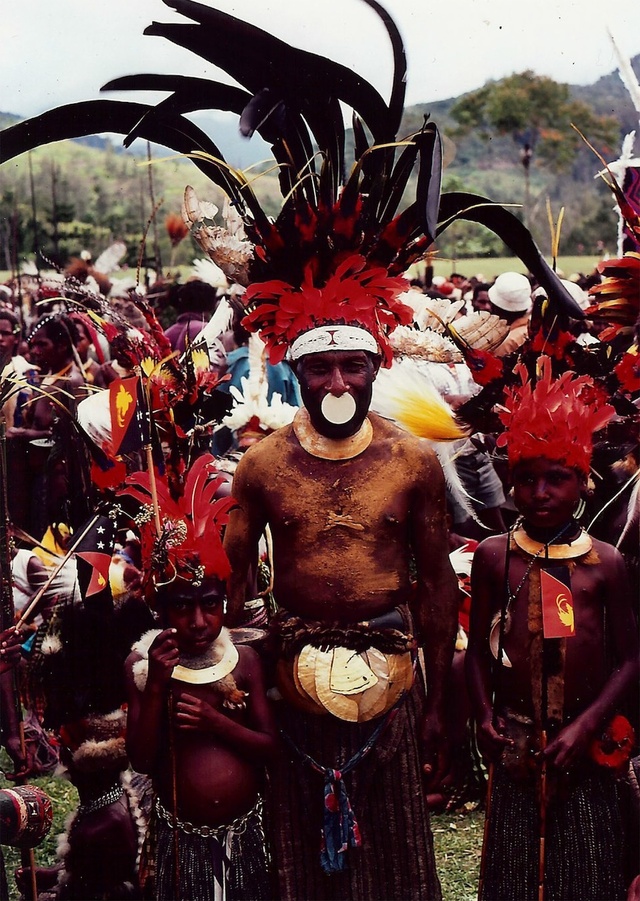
(174, 796)
(7, 617)
(542, 834)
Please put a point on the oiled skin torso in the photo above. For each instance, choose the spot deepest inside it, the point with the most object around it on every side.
(343, 530)
(214, 783)
(589, 653)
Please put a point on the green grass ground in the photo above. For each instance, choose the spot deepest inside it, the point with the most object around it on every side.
(488, 267)
(457, 837)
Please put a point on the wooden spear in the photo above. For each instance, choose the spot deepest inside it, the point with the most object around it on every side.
(542, 835)
(485, 834)
(7, 619)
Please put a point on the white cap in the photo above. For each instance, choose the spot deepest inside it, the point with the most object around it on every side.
(511, 292)
(581, 297)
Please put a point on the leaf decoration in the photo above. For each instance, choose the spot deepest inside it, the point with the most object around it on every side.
(460, 205)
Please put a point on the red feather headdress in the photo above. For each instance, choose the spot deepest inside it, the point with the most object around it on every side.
(555, 418)
(189, 545)
(355, 294)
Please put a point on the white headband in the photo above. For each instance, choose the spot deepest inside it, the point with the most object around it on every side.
(333, 337)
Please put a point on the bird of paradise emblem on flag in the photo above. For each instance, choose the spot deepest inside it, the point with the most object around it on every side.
(558, 617)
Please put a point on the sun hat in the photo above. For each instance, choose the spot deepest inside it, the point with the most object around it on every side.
(511, 292)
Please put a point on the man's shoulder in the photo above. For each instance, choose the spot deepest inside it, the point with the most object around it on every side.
(248, 662)
(402, 442)
(267, 452)
(385, 429)
(275, 439)
(490, 550)
(605, 552)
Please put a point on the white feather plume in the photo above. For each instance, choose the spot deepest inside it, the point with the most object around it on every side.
(251, 400)
(633, 509)
(628, 76)
(219, 323)
(210, 273)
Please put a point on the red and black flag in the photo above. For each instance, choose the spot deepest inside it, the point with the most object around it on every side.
(93, 554)
(558, 618)
(130, 423)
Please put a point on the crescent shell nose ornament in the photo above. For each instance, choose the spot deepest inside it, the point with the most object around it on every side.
(338, 410)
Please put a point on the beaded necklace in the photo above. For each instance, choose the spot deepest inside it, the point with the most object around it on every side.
(501, 621)
(110, 796)
(534, 557)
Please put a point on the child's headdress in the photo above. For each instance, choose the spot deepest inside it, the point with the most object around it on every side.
(554, 418)
(184, 540)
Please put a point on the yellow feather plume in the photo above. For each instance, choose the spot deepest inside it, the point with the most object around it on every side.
(407, 396)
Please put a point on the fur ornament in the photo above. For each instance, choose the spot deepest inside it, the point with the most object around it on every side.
(97, 742)
(234, 698)
(51, 644)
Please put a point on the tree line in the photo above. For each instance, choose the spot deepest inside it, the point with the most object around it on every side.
(511, 140)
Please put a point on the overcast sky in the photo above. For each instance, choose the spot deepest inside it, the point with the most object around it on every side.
(58, 51)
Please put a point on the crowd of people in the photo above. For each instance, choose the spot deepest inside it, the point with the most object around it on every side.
(262, 694)
(329, 550)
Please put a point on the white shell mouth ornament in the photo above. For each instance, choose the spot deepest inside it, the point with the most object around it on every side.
(338, 410)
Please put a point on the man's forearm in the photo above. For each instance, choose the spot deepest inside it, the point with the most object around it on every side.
(437, 634)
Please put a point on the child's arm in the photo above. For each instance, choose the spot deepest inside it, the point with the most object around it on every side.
(574, 740)
(146, 708)
(487, 577)
(257, 742)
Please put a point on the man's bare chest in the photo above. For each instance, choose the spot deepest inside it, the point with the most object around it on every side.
(346, 502)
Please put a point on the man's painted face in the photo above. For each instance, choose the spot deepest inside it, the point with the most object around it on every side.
(8, 339)
(545, 492)
(481, 302)
(336, 389)
(196, 613)
(48, 355)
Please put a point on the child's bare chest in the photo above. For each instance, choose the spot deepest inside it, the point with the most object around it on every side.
(578, 604)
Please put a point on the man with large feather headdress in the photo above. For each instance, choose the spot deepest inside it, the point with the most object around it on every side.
(355, 505)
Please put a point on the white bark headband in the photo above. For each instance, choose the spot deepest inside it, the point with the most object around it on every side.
(333, 337)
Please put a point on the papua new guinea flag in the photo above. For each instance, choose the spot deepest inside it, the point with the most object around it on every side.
(93, 554)
(129, 415)
(558, 619)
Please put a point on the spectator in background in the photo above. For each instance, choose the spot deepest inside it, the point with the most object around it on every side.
(196, 301)
(12, 364)
(280, 378)
(31, 445)
(460, 282)
(480, 298)
(510, 299)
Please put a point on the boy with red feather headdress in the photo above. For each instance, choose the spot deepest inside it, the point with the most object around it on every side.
(552, 657)
(198, 719)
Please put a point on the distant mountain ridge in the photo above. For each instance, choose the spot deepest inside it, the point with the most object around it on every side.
(607, 96)
(91, 191)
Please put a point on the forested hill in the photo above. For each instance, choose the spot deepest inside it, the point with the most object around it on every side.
(607, 97)
(91, 191)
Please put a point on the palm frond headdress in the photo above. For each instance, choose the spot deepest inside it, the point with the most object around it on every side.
(336, 251)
